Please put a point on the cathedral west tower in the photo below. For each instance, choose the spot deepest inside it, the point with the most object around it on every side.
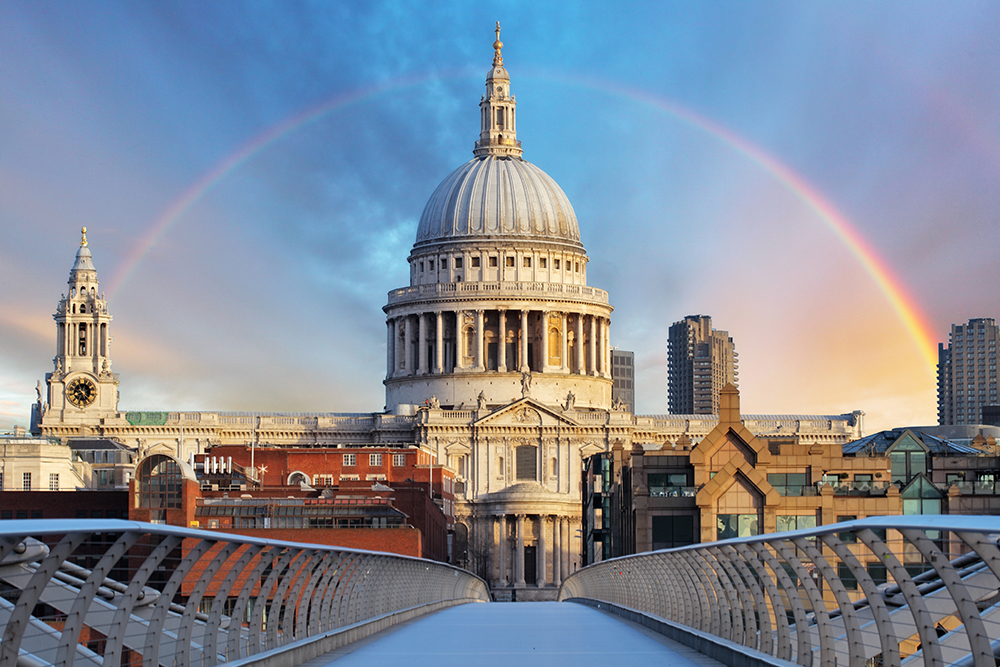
(81, 389)
(498, 307)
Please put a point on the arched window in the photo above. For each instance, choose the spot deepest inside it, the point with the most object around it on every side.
(158, 484)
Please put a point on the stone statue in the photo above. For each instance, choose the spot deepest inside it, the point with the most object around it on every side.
(618, 405)
(526, 384)
(434, 403)
(570, 401)
(38, 390)
(59, 369)
(481, 401)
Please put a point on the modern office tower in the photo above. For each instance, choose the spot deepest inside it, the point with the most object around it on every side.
(967, 372)
(623, 376)
(700, 362)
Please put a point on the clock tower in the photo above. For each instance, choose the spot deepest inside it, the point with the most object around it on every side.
(81, 389)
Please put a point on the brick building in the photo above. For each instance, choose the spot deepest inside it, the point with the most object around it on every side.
(380, 498)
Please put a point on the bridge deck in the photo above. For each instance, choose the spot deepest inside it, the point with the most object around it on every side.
(522, 634)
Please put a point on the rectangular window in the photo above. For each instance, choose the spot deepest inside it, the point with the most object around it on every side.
(421, 267)
(53, 481)
(458, 262)
(509, 262)
(577, 265)
(672, 531)
(500, 118)
(430, 265)
(475, 262)
(878, 573)
(375, 460)
(848, 536)
(737, 525)
(350, 459)
(398, 460)
(556, 265)
(542, 262)
(527, 262)
(444, 264)
(796, 522)
(847, 577)
(493, 262)
(26, 481)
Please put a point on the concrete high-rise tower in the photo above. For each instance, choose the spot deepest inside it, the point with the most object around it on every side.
(700, 362)
(967, 372)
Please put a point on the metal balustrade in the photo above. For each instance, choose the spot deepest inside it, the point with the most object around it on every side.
(884, 591)
(96, 593)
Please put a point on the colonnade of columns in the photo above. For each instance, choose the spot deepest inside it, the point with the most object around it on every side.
(82, 339)
(510, 551)
(502, 340)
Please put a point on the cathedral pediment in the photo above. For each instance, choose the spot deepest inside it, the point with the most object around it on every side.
(525, 413)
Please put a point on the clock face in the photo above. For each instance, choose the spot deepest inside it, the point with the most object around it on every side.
(81, 392)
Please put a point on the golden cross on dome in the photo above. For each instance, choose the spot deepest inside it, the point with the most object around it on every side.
(497, 45)
(84, 232)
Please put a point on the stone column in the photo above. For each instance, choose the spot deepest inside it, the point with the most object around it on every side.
(524, 341)
(480, 357)
(408, 345)
(566, 546)
(542, 520)
(439, 344)
(581, 353)
(422, 343)
(459, 341)
(390, 347)
(502, 352)
(545, 340)
(519, 556)
(502, 552)
(606, 324)
(556, 551)
(564, 357)
(397, 325)
(592, 357)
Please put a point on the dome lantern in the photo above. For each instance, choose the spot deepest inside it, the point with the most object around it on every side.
(498, 129)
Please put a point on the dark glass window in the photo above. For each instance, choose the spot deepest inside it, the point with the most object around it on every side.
(847, 577)
(672, 531)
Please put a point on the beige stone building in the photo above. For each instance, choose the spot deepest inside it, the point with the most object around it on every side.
(498, 363)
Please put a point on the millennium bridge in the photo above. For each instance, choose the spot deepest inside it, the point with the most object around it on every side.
(886, 591)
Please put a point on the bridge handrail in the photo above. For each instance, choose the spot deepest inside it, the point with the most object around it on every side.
(809, 596)
(167, 595)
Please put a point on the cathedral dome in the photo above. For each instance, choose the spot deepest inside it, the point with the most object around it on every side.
(498, 196)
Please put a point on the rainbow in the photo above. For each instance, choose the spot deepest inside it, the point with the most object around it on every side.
(227, 165)
(903, 303)
(915, 321)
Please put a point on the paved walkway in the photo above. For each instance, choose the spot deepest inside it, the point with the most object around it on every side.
(516, 633)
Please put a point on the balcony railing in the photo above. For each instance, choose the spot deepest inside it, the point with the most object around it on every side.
(507, 289)
(673, 491)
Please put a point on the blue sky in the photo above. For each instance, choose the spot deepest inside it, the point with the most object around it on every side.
(266, 292)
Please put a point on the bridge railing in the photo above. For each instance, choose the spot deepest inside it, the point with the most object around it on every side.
(881, 591)
(120, 593)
